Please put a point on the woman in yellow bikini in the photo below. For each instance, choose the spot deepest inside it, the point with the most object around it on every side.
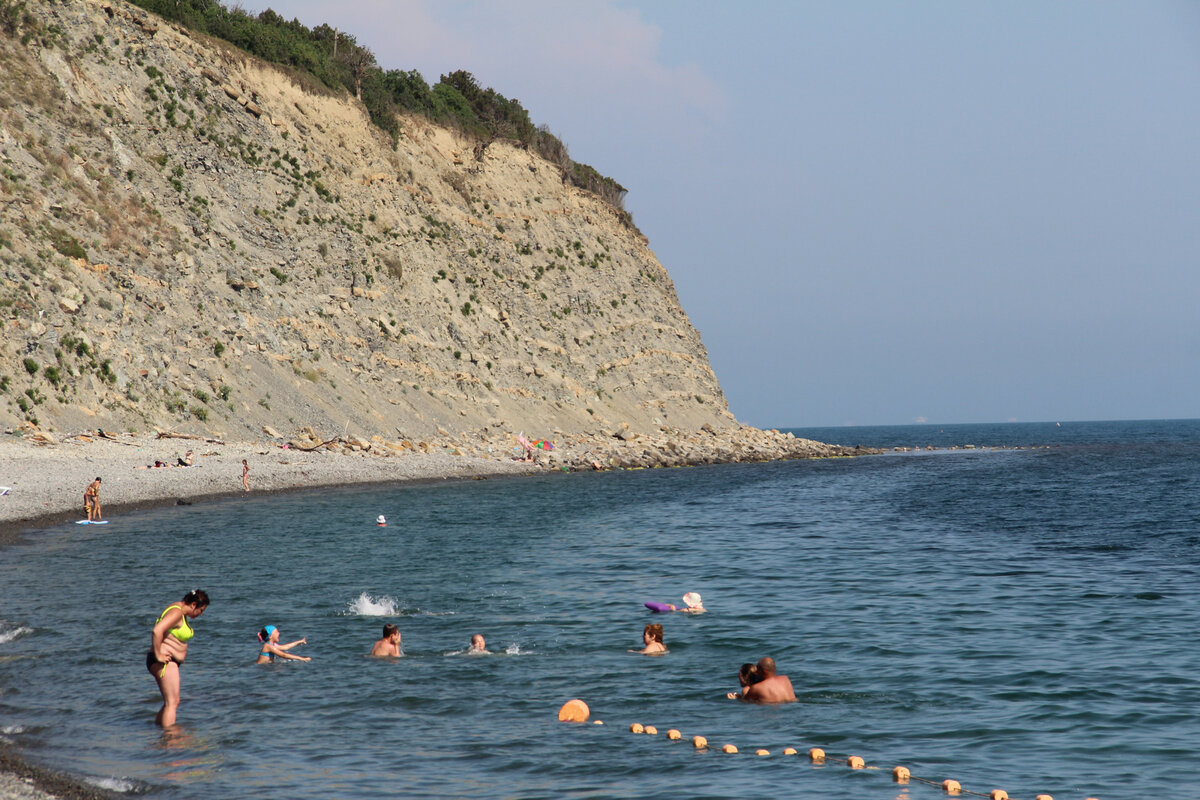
(168, 649)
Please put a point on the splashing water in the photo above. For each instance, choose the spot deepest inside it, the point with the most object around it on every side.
(367, 606)
(513, 649)
(15, 633)
(120, 785)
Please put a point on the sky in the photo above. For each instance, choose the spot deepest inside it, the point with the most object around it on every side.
(877, 213)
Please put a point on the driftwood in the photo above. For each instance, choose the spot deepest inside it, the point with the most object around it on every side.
(171, 435)
(318, 446)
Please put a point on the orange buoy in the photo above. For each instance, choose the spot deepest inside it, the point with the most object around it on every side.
(598, 722)
(998, 794)
(817, 755)
(674, 734)
(901, 774)
(951, 786)
(1043, 797)
(650, 730)
(699, 742)
(729, 748)
(574, 711)
(761, 752)
(636, 728)
(855, 762)
(789, 751)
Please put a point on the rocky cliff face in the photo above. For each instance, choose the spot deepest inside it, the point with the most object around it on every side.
(192, 240)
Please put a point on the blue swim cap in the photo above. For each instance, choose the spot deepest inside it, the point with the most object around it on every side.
(269, 629)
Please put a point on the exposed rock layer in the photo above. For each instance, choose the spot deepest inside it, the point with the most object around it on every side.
(191, 240)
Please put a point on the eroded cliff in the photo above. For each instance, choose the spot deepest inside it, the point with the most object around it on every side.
(193, 240)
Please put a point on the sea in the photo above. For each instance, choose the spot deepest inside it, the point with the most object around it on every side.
(1011, 606)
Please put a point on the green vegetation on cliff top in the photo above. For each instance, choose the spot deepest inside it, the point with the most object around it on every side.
(338, 62)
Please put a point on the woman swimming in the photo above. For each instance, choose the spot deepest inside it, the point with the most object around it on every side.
(168, 649)
(652, 637)
(271, 648)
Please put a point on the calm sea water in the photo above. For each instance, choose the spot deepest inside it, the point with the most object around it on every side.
(1022, 619)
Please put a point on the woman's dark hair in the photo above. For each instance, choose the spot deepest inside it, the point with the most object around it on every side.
(197, 596)
(263, 635)
(389, 629)
(656, 632)
(748, 674)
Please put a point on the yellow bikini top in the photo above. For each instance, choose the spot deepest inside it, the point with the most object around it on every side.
(183, 632)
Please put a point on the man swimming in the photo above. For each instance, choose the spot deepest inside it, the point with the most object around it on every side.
(478, 645)
(389, 645)
(770, 688)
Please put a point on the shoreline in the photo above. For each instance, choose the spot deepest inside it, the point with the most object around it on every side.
(47, 476)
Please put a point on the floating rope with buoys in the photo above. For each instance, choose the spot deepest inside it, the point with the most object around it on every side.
(578, 711)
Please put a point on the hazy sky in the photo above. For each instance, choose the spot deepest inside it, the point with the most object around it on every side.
(877, 212)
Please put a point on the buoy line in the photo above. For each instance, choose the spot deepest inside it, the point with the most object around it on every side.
(577, 711)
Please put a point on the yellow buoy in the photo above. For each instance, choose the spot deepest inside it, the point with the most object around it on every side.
(998, 794)
(650, 730)
(789, 751)
(951, 786)
(729, 748)
(901, 774)
(699, 742)
(1043, 797)
(574, 711)
(761, 752)
(817, 755)
(855, 762)
(636, 728)
(598, 722)
(674, 734)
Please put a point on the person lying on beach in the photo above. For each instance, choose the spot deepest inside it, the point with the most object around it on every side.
(271, 648)
(478, 646)
(389, 645)
(652, 637)
(186, 461)
(770, 688)
(747, 677)
(168, 649)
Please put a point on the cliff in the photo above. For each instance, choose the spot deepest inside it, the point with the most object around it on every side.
(197, 243)
(193, 240)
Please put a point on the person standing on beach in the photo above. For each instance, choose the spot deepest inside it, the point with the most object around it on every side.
(245, 475)
(168, 649)
(91, 501)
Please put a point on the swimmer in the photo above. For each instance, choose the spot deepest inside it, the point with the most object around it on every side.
(271, 648)
(381, 521)
(478, 646)
(168, 649)
(747, 677)
(652, 637)
(389, 645)
(770, 688)
(694, 604)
